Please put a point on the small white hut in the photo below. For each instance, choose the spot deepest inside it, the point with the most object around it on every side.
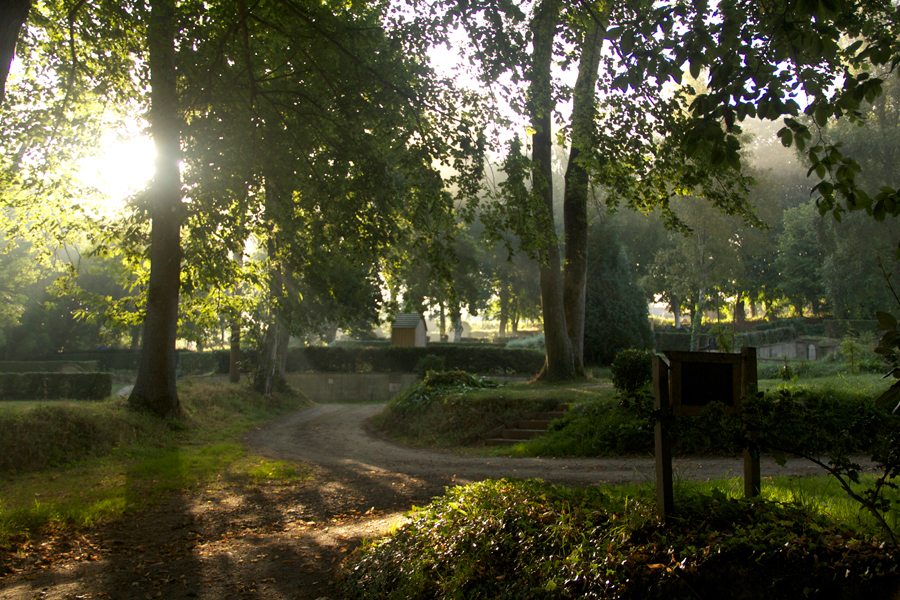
(409, 330)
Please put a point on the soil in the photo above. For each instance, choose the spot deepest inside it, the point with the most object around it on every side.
(287, 540)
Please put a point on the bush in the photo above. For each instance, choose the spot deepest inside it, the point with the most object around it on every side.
(631, 370)
(615, 305)
(430, 362)
(527, 539)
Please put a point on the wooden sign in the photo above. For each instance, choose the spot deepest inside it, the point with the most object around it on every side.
(687, 382)
(699, 379)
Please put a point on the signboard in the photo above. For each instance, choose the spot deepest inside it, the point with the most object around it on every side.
(699, 379)
(686, 382)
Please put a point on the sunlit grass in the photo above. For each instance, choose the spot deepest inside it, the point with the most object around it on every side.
(156, 460)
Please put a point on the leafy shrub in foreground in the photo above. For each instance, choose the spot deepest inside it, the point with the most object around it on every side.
(632, 369)
(526, 539)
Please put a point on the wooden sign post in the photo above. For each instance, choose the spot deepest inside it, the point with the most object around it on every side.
(688, 382)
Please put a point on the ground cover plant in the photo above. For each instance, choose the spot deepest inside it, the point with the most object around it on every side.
(528, 539)
(76, 464)
(455, 408)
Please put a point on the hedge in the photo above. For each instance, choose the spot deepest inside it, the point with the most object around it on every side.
(55, 386)
(46, 366)
(839, 328)
(803, 326)
(107, 360)
(472, 358)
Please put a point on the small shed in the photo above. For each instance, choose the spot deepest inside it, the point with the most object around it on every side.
(409, 330)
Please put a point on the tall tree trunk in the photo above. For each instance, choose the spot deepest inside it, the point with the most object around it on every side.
(234, 355)
(443, 337)
(740, 313)
(154, 389)
(697, 320)
(504, 306)
(456, 322)
(12, 16)
(676, 310)
(560, 360)
(577, 186)
(270, 376)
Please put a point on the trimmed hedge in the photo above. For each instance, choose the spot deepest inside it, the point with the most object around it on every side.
(45, 366)
(839, 328)
(107, 360)
(803, 326)
(55, 386)
(471, 358)
(766, 337)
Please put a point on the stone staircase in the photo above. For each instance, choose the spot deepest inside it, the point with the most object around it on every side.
(526, 428)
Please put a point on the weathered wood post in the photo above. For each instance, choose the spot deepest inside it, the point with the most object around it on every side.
(665, 497)
(752, 479)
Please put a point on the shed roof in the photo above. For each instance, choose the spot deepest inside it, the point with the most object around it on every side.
(407, 321)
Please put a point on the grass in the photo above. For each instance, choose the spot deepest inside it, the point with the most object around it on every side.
(528, 539)
(77, 464)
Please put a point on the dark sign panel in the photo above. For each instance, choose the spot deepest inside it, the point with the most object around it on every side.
(699, 379)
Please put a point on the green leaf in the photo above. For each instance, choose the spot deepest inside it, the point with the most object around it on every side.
(886, 320)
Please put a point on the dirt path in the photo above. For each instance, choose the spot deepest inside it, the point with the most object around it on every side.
(278, 540)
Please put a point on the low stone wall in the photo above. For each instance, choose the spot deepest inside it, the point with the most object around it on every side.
(805, 349)
(347, 388)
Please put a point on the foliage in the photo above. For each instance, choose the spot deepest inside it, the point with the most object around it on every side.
(791, 424)
(527, 539)
(631, 370)
(430, 362)
(615, 306)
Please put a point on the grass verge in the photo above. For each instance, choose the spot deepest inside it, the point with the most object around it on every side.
(528, 539)
(79, 464)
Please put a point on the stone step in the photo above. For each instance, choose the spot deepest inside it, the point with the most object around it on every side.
(525, 429)
(534, 424)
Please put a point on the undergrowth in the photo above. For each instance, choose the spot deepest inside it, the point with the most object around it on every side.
(80, 463)
(526, 539)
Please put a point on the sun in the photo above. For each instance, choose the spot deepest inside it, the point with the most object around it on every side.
(124, 166)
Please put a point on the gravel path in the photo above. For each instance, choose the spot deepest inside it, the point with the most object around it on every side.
(336, 438)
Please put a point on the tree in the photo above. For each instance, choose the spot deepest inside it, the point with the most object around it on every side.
(641, 167)
(154, 390)
(11, 20)
(615, 305)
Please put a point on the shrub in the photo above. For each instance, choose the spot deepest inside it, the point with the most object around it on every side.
(430, 362)
(631, 370)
